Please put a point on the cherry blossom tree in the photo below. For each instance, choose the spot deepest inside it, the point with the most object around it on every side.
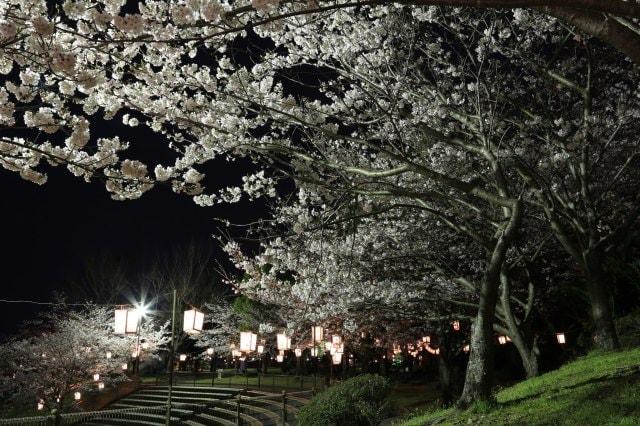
(62, 353)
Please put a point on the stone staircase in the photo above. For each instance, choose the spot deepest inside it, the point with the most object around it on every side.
(202, 406)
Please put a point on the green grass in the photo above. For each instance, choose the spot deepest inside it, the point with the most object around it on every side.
(598, 389)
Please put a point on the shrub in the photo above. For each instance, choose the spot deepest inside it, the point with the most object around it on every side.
(358, 401)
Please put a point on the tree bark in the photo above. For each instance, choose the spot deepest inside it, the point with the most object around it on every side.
(479, 375)
(518, 331)
(605, 335)
(444, 378)
(528, 355)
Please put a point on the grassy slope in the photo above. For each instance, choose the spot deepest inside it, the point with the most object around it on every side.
(598, 389)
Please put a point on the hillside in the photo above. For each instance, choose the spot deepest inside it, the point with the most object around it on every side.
(598, 389)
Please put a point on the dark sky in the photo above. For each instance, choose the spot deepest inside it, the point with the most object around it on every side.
(50, 230)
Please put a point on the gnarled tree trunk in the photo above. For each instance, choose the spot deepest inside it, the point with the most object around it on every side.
(479, 375)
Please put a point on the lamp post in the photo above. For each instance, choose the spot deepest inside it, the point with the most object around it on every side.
(171, 355)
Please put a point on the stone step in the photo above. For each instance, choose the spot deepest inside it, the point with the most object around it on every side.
(262, 414)
(208, 419)
(126, 422)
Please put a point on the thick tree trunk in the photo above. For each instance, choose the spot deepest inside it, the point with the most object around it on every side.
(479, 375)
(605, 335)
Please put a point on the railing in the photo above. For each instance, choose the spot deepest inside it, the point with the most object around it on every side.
(242, 406)
(254, 381)
(56, 419)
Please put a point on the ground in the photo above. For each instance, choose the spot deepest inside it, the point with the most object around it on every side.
(598, 389)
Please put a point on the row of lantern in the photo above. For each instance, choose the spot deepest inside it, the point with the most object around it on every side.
(249, 343)
(426, 340)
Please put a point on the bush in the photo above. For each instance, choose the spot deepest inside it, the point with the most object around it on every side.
(358, 401)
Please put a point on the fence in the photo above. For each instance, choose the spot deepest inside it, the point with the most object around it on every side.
(247, 380)
(56, 419)
(239, 409)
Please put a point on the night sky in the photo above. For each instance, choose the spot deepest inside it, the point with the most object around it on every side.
(50, 230)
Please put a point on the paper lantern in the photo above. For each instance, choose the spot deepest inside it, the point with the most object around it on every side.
(108, 355)
(124, 367)
(236, 353)
(317, 334)
(260, 349)
(193, 321)
(280, 358)
(336, 340)
(100, 386)
(40, 405)
(336, 358)
(298, 352)
(456, 325)
(77, 396)
(96, 377)
(466, 348)
(314, 352)
(126, 321)
(560, 338)
(432, 351)
(248, 341)
(183, 357)
(502, 339)
(426, 339)
(284, 342)
(209, 351)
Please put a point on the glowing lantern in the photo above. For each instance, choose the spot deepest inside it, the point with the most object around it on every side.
(77, 396)
(284, 342)
(248, 341)
(560, 338)
(280, 358)
(456, 325)
(431, 350)
(314, 352)
(108, 355)
(260, 349)
(124, 367)
(298, 352)
(193, 321)
(40, 405)
(100, 386)
(336, 340)
(466, 348)
(426, 339)
(183, 357)
(209, 351)
(502, 339)
(317, 334)
(236, 353)
(96, 377)
(336, 358)
(126, 321)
